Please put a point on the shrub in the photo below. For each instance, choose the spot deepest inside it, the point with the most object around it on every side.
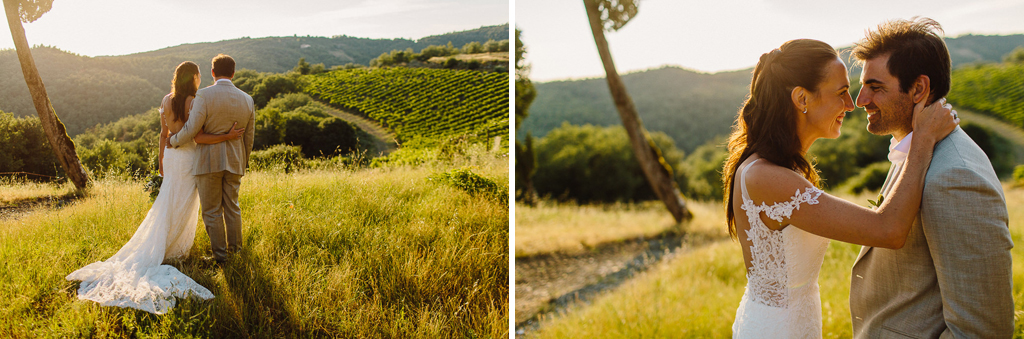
(591, 163)
(700, 175)
(451, 63)
(109, 158)
(474, 184)
(24, 147)
(279, 157)
(870, 178)
(998, 149)
(1018, 175)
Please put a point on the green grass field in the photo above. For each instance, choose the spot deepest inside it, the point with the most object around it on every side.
(327, 253)
(695, 293)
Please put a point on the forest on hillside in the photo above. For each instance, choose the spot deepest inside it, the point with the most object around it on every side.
(86, 91)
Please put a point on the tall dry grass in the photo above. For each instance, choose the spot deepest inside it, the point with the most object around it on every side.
(326, 253)
(695, 293)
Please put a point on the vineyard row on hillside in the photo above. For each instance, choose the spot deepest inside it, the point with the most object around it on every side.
(421, 102)
(997, 90)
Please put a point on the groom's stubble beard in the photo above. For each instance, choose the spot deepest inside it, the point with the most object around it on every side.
(894, 117)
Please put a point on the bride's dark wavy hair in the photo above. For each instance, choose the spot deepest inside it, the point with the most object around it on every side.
(183, 85)
(766, 124)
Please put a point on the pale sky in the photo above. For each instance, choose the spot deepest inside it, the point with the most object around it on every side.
(118, 27)
(718, 35)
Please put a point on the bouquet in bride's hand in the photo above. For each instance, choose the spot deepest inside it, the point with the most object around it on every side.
(153, 184)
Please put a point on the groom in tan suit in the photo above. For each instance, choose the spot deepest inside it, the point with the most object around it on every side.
(952, 278)
(219, 167)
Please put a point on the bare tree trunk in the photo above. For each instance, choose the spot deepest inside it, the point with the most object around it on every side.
(62, 145)
(658, 173)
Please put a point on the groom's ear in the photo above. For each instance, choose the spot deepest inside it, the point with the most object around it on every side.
(921, 88)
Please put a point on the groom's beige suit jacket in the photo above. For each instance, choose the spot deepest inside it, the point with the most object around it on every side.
(215, 109)
(952, 278)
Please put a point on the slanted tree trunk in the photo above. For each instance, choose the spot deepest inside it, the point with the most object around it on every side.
(658, 173)
(56, 134)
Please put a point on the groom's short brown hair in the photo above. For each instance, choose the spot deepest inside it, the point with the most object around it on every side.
(223, 66)
(914, 48)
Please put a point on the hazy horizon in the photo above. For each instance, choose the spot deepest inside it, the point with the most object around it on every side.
(255, 38)
(728, 35)
(123, 27)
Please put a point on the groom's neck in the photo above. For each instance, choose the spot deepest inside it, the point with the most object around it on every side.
(215, 79)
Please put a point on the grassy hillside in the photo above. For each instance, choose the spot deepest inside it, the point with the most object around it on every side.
(421, 102)
(90, 90)
(327, 253)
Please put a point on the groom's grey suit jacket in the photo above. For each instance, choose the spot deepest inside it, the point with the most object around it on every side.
(215, 109)
(952, 278)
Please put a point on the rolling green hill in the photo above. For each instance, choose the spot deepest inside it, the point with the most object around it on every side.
(421, 102)
(86, 91)
(690, 107)
(693, 107)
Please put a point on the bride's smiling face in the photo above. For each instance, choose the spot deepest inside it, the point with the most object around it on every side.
(827, 107)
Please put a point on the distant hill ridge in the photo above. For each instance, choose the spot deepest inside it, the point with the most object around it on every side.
(86, 91)
(693, 107)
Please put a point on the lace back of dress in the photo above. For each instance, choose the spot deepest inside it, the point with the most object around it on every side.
(767, 277)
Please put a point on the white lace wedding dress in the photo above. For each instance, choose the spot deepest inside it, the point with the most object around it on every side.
(134, 276)
(781, 299)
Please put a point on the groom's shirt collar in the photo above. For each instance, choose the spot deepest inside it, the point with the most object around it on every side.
(898, 150)
(223, 80)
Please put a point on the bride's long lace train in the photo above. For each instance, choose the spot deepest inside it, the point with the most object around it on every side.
(134, 276)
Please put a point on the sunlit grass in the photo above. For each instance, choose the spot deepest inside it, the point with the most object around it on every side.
(552, 227)
(368, 253)
(17, 190)
(695, 294)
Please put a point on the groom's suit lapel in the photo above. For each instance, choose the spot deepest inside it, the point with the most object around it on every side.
(886, 187)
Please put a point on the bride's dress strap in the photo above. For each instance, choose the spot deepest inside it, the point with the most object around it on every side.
(780, 210)
(743, 179)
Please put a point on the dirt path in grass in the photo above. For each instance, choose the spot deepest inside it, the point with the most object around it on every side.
(12, 210)
(548, 283)
(384, 139)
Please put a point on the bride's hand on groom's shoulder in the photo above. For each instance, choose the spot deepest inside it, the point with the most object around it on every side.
(935, 121)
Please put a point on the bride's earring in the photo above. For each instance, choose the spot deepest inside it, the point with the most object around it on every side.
(805, 110)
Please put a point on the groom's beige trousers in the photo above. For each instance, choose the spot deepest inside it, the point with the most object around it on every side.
(219, 167)
(221, 213)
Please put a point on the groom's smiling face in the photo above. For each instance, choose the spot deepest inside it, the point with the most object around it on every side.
(890, 111)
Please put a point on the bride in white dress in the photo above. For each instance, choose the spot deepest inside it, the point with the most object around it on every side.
(135, 277)
(800, 93)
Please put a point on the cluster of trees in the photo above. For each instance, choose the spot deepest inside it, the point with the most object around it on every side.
(409, 57)
(25, 149)
(298, 120)
(594, 164)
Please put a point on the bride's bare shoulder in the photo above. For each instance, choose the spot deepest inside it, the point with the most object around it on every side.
(770, 183)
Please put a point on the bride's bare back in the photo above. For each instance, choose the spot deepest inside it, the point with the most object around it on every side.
(167, 117)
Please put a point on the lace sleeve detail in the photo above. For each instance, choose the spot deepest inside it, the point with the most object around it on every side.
(784, 210)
